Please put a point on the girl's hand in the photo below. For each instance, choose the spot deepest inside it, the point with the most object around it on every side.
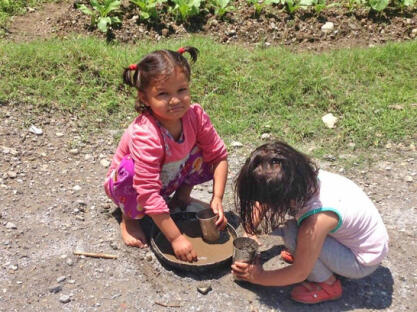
(183, 249)
(250, 272)
(217, 207)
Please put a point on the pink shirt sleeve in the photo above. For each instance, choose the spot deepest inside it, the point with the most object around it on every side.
(147, 151)
(121, 151)
(208, 140)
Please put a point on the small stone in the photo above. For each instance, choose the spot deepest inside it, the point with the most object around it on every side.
(77, 188)
(329, 120)
(114, 246)
(265, 136)
(149, 256)
(74, 151)
(61, 279)
(236, 144)
(69, 262)
(10, 225)
(59, 134)
(204, 289)
(165, 32)
(55, 289)
(105, 163)
(35, 130)
(409, 179)
(327, 27)
(64, 299)
(13, 267)
(11, 174)
(88, 157)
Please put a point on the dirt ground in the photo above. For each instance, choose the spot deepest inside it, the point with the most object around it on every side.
(52, 204)
(301, 31)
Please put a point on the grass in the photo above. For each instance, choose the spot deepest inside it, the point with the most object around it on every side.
(246, 92)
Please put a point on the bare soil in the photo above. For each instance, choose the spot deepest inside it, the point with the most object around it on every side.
(274, 26)
(52, 204)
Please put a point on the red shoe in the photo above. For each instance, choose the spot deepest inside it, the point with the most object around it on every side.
(311, 292)
(287, 256)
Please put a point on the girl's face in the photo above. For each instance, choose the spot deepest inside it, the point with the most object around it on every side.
(168, 98)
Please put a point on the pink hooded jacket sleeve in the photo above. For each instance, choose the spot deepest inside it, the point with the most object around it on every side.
(208, 140)
(147, 151)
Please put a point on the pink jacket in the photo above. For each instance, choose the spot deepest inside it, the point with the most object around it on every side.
(143, 141)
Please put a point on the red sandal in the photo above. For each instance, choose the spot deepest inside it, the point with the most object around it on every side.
(311, 292)
(287, 256)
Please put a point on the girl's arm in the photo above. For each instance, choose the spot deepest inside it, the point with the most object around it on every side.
(182, 247)
(310, 239)
(219, 183)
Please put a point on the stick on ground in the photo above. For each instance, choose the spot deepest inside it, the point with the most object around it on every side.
(95, 255)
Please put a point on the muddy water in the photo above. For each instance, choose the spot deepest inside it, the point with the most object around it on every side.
(207, 252)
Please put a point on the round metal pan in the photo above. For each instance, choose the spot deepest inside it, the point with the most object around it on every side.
(160, 251)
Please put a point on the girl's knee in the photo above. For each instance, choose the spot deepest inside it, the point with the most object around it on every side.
(290, 231)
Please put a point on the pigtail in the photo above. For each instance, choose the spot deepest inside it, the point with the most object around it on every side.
(190, 50)
(130, 75)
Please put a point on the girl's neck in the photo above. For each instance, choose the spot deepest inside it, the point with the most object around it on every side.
(174, 127)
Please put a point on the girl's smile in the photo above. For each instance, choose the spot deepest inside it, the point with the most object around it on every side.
(169, 98)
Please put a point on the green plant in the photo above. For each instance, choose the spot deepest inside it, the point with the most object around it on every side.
(221, 7)
(378, 5)
(184, 9)
(291, 5)
(318, 5)
(100, 15)
(148, 8)
(259, 5)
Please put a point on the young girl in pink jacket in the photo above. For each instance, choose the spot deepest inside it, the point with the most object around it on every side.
(170, 147)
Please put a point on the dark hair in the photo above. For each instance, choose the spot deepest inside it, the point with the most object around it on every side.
(156, 65)
(280, 179)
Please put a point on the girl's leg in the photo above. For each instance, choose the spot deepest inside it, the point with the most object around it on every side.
(334, 258)
(132, 233)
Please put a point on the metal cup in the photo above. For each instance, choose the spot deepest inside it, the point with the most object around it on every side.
(244, 249)
(207, 219)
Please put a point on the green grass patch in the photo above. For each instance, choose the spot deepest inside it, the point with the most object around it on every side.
(246, 91)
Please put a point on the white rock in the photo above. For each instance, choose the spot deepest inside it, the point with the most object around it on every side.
(35, 130)
(88, 157)
(329, 120)
(61, 279)
(11, 174)
(10, 225)
(74, 151)
(77, 188)
(105, 163)
(265, 136)
(409, 179)
(64, 299)
(328, 27)
(236, 144)
(59, 134)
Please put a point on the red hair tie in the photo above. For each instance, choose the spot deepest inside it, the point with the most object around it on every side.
(133, 67)
(181, 50)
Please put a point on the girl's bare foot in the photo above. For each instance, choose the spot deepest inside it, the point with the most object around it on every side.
(132, 233)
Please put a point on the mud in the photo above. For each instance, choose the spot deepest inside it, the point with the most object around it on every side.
(207, 253)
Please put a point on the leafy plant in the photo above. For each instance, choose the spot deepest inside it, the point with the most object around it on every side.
(184, 9)
(221, 7)
(148, 8)
(100, 15)
(291, 5)
(378, 5)
(259, 5)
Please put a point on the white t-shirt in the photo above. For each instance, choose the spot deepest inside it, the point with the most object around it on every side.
(360, 226)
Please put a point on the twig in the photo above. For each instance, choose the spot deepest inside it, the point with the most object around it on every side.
(95, 255)
(168, 305)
